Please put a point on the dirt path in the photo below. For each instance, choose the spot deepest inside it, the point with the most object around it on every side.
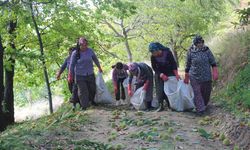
(152, 130)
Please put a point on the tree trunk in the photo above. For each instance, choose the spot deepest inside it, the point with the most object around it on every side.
(42, 59)
(125, 35)
(128, 50)
(173, 48)
(2, 124)
(8, 93)
(9, 80)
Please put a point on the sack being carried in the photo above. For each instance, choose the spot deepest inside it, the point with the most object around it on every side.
(180, 95)
(138, 99)
(102, 94)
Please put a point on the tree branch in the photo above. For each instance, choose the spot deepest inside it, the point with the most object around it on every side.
(106, 51)
(112, 28)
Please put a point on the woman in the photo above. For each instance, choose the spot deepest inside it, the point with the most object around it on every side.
(144, 77)
(72, 87)
(164, 66)
(81, 65)
(119, 74)
(198, 69)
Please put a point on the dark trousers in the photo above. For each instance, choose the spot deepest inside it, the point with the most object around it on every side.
(86, 89)
(160, 94)
(73, 90)
(120, 89)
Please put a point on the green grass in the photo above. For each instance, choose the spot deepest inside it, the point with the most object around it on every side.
(50, 132)
(236, 94)
(235, 74)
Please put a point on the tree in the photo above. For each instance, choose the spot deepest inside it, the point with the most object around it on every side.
(114, 16)
(2, 125)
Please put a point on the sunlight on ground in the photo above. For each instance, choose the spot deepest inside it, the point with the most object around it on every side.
(37, 109)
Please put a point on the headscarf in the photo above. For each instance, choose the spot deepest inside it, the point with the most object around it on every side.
(155, 46)
(133, 67)
(197, 39)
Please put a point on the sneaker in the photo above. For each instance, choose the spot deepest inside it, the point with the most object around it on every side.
(83, 109)
(117, 103)
(123, 102)
(160, 108)
(73, 108)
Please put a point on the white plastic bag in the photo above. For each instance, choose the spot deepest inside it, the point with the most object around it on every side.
(155, 103)
(102, 94)
(125, 85)
(138, 99)
(179, 94)
(187, 95)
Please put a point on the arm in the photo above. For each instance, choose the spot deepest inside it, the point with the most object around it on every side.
(114, 77)
(62, 68)
(72, 65)
(172, 61)
(130, 93)
(154, 66)
(188, 65)
(188, 62)
(213, 64)
(174, 65)
(95, 59)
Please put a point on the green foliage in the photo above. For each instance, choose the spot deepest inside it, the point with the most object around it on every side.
(204, 133)
(235, 94)
(244, 15)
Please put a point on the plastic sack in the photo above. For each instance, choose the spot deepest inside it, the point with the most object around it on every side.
(179, 94)
(125, 85)
(137, 100)
(155, 103)
(102, 94)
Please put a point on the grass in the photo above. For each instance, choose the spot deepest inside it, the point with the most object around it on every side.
(233, 89)
(50, 132)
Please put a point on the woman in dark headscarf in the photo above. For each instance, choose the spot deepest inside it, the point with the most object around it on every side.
(164, 66)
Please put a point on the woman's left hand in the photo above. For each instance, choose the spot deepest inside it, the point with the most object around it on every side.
(100, 70)
(215, 73)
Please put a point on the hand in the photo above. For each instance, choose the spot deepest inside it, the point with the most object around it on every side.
(58, 75)
(100, 70)
(186, 80)
(70, 78)
(130, 93)
(163, 77)
(176, 74)
(145, 86)
(215, 73)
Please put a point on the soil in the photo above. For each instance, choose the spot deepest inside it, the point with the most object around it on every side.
(164, 130)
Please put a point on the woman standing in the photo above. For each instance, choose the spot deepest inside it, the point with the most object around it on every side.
(81, 65)
(198, 69)
(164, 66)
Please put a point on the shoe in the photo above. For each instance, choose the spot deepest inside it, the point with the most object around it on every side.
(117, 103)
(83, 109)
(160, 108)
(73, 108)
(71, 100)
(94, 103)
(123, 102)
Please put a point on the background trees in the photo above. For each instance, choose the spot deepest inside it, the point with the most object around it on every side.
(36, 34)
